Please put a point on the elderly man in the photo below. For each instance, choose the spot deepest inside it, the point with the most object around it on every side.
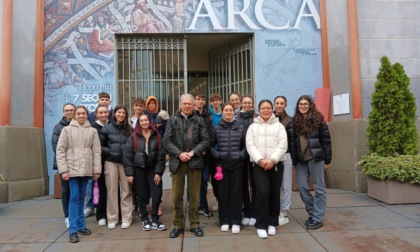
(186, 139)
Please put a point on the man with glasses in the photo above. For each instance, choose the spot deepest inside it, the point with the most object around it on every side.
(68, 114)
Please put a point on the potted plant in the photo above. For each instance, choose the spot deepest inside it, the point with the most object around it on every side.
(393, 159)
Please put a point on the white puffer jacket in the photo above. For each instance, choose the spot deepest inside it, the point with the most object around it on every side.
(266, 140)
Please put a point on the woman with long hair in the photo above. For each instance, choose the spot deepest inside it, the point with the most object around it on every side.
(280, 104)
(266, 142)
(227, 145)
(78, 159)
(113, 138)
(102, 115)
(144, 164)
(311, 156)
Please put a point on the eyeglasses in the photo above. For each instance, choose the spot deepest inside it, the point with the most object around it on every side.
(68, 110)
(303, 104)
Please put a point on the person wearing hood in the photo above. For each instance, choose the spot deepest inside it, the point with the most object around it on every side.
(78, 159)
(266, 143)
(152, 110)
(68, 114)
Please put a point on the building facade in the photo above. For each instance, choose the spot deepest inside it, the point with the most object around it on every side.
(60, 51)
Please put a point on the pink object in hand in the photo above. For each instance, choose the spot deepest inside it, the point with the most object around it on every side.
(95, 193)
(219, 173)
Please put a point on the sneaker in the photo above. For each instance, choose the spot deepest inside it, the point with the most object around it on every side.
(67, 222)
(215, 208)
(111, 225)
(156, 225)
(205, 212)
(313, 225)
(283, 219)
(236, 229)
(262, 233)
(252, 221)
(102, 222)
(88, 212)
(160, 210)
(84, 231)
(145, 225)
(224, 228)
(271, 230)
(307, 221)
(245, 221)
(125, 225)
(73, 238)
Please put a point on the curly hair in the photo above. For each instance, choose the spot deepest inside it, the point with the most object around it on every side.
(314, 119)
(126, 125)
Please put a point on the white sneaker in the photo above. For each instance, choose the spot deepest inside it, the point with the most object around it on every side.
(271, 230)
(88, 212)
(224, 228)
(236, 229)
(215, 208)
(67, 222)
(111, 225)
(252, 221)
(102, 222)
(283, 219)
(125, 225)
(245, 221)
(262, 233)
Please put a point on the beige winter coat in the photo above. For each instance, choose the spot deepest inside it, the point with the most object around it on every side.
(79, 150)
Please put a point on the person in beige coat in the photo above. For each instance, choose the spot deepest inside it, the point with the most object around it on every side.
(78, 159)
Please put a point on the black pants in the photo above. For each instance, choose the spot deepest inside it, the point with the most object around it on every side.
(247, 199)
(230, 200)
(267, 201)
(101, 207)
(144, 180)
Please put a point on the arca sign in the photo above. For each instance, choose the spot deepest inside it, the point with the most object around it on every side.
(231, 13)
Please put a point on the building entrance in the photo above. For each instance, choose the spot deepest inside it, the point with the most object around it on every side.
(167, 66)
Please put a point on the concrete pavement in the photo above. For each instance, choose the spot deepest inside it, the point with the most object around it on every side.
(353, 222)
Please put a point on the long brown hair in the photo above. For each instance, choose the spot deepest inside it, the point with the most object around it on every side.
(285, 116)
(152, 127)
(314, 118)
(126, 125)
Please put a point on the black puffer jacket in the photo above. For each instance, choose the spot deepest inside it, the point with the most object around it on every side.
(56, 135)
(287, 122)
(155, 159)
(184, 135)
(227, 144)
(246, 118)
(113, 141)
(207, 121)
(319, 143)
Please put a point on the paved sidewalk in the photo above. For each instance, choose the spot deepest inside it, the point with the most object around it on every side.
(354, 222)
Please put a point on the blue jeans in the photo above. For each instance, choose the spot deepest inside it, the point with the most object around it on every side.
(315, 205)
(65, 196)
(77, 199)
(89, 194)
(203, 188)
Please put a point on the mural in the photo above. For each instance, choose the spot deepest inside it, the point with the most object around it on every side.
(80, 45)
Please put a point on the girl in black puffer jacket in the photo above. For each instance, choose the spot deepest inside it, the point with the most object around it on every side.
(227, 145)
(113, 137)
(144, 163)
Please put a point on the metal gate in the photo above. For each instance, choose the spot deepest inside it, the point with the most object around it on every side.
(231, 69)
(151, 65)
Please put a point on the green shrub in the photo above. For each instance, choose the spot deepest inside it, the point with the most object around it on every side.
(1, 177)
(403, 168)
(392, 122)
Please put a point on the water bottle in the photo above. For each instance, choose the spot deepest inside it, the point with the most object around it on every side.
(95, 193)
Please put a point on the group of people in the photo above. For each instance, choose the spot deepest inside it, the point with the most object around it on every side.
(251, 153)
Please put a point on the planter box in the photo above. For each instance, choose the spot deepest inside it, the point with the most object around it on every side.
(393, 192)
